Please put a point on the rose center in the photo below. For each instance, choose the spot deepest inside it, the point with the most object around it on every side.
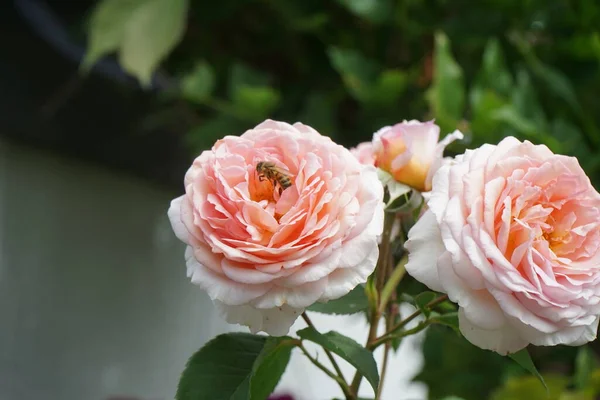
(262, 190)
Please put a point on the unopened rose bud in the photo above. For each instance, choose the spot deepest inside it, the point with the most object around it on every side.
(410, 151)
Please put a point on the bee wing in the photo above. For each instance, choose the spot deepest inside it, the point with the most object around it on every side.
(282, 171)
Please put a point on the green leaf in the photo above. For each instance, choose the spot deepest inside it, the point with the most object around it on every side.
(388, 88)
(357, 72)
(376, 11)
(452, 398)
(447, 95)
(594, 381)
(395, 189)
(255, 102)
(422, 300)
(528, 387)
(355, 301)
(319, 112)
(242, 75)
(384, 176)
(151, 33)
(444, 352)
(449, 319)
(525, 127)
(406, 298)
(524, 360)
(557, 82)
(310, 24)
(571, 140)
(524, 96)
(361, 358)
(269, 366)
(198, 85)
(484, 102)
(510, 115)
(584, 46)
(584, 366)
(221, 369)
(576, 396)
(494, 74)
(107, 28)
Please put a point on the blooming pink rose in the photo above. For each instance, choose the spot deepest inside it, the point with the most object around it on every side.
(264, 254)
(410, 151)
(512, 235)
(364, 153)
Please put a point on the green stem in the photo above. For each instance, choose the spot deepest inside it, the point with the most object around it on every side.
(327, 352)
(389, 337)
(407, 320)
(343, 385)
(380, 279)
(392, 309)
(392, 282)
(384, 251)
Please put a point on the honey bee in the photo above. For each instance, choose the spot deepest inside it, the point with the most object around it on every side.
(268, 170)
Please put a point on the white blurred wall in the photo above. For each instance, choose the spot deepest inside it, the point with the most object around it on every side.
(94, 301)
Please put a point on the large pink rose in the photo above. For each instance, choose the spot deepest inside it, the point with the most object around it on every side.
(512, 235)
(264, 254)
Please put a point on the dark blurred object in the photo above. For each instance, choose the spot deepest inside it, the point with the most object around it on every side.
(47, 104)
(281, 397)
(43, 20)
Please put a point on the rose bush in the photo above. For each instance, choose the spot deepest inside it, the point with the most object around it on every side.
(512, 234)
(263, 255)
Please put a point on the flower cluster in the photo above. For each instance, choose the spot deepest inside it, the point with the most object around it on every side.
(281, 217)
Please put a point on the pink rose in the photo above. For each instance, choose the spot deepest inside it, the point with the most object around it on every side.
(512, 235)
(364, 153)
(264, 254)
(410, 151)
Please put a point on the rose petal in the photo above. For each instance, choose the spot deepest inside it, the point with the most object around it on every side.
(424, 247)
(503, 341)
(277, 321)
(342, 281)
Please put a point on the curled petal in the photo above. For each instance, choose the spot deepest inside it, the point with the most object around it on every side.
(424, 247)
(277, 321)
(504, 340)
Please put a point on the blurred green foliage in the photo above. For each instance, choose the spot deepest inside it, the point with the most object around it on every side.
(491, 68)
(453, 366)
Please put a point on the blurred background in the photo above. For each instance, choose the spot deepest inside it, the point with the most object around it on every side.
(105, 103)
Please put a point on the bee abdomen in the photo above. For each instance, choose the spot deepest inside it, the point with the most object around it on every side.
(285, 182)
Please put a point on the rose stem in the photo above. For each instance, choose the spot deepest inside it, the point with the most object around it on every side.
(390, 333)
(340, 381)
(327, 352)
(381, 273)
(387, 338)
(389, 319)
(392, 311)
(393, 279)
